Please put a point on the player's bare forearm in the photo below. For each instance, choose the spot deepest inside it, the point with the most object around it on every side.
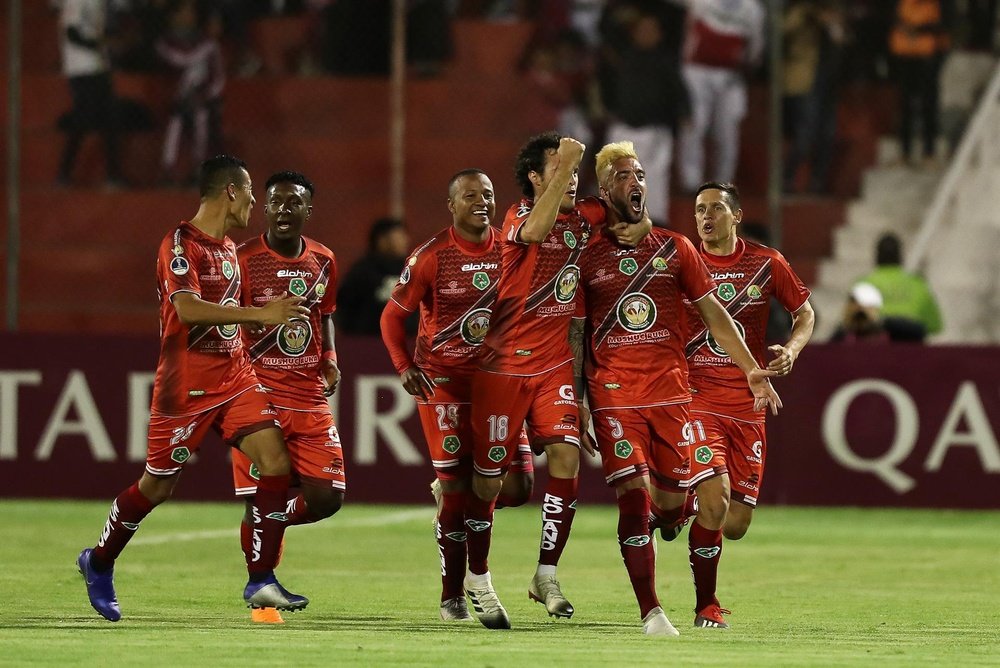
(193, 310)
(576, 337)
(803, 322)
(546, 208)
(329, 368)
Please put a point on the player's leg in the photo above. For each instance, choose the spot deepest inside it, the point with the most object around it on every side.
(737, 521)
(747, 454)
(669, 468)
(317, 458)
(520, 479)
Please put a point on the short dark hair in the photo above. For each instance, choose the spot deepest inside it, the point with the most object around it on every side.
(531, 158)
(888, 250)
(729, 191)
(294, 178)
(216, 173)
(472, 171)
(380, 228)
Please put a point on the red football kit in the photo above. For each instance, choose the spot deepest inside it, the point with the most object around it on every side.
(636, 369)
(287, 359)
(204, 378)
(453, 283)
(525, 370)
(723, 403)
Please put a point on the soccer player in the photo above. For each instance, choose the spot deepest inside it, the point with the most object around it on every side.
(204, 380)
(636, 370)
(296, 362)
(452, 280)
(732, 451)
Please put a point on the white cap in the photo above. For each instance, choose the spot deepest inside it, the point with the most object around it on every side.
(866, 295)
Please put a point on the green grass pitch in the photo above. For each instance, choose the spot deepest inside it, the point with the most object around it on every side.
(808, 587)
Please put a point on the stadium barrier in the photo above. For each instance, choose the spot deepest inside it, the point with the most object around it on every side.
(862, 425)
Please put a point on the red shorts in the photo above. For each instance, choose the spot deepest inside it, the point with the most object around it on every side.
(447, 427)
(172, 440)
(742, 445)
(653, 440)
(501, 402)
(313, 447)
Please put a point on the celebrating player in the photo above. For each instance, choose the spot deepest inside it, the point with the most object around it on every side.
(734, 445)
(637, 375)
(452, 280)
(204, 380)
(297, 361)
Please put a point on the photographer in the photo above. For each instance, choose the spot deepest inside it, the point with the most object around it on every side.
(863, 321)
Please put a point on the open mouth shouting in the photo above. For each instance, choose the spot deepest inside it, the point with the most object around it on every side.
(636, 201)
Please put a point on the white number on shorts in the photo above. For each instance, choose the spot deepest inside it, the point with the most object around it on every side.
(617, 431)
(498, 428)
(182, 434)
(447, 416)
(694, 431)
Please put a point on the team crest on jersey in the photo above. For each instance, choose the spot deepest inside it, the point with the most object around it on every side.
(297, 287)
(481, 280)
(567, 283)
(714, 346)
(294, 338)
(180, 455)
(451, 444)
(178, 250)
(726, 291)
(623, 449)
(754, 292)
(569, 238)
(179, 266)
(659, 264)
(475, 326)
(227, 269)
(636, 312)
(404, 277)
(628, 266)
(320, 289)
(703, 454)
(229, 332)
(497, 453)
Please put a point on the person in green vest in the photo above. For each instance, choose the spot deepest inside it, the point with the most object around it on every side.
(904, 294)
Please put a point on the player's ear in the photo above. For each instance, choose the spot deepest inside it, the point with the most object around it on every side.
(231, 192)
(309, 211)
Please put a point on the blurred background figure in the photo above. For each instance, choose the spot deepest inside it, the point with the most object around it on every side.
(87, 66)
(368, 284)
(194, 54)
(724, 41)
(863, 321)
(815, 34)
(918, 41)
(905, 296)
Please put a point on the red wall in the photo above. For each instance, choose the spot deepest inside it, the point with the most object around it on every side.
(878, 425)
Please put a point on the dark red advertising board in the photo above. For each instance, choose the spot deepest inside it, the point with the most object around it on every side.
(862, 425)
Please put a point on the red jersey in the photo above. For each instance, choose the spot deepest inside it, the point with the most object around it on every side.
(529, 331)
(635, 318)
(746, 280)
(454, 284)
(286, 357)
(200, 366)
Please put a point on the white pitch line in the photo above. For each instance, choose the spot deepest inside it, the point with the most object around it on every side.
(187, 536)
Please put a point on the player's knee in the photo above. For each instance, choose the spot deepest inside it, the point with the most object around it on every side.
(712, 508)
(157, 489)
(485, 488)
(563, 460)
(517, 489)
(324, 504)
(736, 528)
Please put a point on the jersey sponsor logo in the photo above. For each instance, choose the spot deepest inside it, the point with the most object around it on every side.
(480, 266)
(707, 552)
(628, 266)
(404, 277)
(714, 346)
(567, 283)
(297, 286)
(179, 266)
(227, 269)
(612, 386)
(727, 275)
(636, 541)
(566, 392)
(521, 352)
(754, 292)
(481, 280)
(636, 312)
(478, 525)
(294, 273)
(497, 453)
(451, 444)
(623, 449)
(703, 454)
(229, 332)
(178, 249)
(320, 290)
(457, 536)
(180, 455)
(294, 338)
(569, 238)
(475, 326)
(659, 264)
(726, 291)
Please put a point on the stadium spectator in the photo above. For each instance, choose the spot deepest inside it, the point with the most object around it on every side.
(452, 282)
(368, 284)
(87, 67)
(297, 363)
(647, 103)
(904, 294)
(981, 18)
(724, 40)
(197, 104)
(863, 321)
(732, 445)
(919, 39)
(204, 380)
(815, 34)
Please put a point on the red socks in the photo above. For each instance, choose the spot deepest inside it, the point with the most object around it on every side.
(269, 522)
(451, 537)
(479, 525)
(637, 547)
(126, 512)
(558, 509)
(705, 548)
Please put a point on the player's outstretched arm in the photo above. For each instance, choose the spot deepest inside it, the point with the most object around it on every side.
(576, 343)
(723, 329)
(546, 208)
(803, 321)
(393, 326)
(328, 368)
(193, 310)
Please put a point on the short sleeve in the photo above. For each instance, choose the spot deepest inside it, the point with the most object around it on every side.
(517, 216)
(788, 288)
(180, 266)
(415, 280)
(328, 303)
